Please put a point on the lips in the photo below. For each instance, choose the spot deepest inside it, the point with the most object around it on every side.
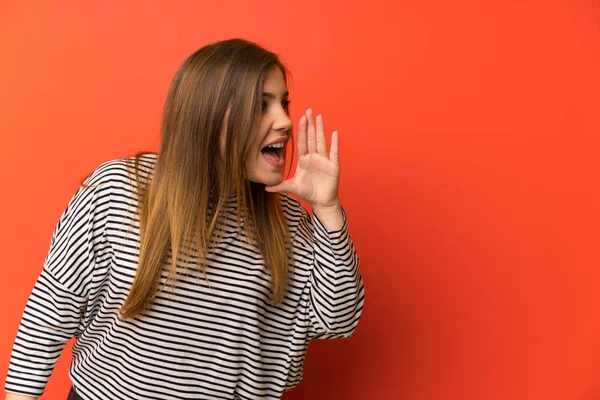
(273, 152)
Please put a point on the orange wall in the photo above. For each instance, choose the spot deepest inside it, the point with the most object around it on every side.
(469, 136)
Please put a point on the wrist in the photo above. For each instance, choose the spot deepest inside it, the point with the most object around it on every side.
(332, 206)
(330, 216)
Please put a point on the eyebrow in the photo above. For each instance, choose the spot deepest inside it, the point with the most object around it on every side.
(272, 96)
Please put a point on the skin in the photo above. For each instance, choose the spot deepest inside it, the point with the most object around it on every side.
(275, 123)
(316, 179)
(11, 396)
(317, 174)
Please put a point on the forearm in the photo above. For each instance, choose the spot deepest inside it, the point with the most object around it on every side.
(336, 288)
(13, 396)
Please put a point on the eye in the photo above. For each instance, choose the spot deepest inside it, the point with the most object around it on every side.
(285, 104)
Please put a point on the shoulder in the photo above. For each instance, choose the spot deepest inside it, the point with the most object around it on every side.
(113, 183)
(121, 172)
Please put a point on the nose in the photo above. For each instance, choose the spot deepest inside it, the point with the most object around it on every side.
(282, 122)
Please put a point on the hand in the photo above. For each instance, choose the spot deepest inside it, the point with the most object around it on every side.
(317, 174)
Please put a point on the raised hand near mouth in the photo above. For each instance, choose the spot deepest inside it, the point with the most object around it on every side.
(317, 176)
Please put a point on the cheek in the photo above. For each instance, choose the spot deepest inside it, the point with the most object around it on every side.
(258, 141)
(254, 159)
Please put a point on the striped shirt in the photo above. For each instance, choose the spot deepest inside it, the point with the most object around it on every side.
(222, 340)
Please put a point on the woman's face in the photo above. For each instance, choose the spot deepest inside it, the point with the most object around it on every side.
(265, 165)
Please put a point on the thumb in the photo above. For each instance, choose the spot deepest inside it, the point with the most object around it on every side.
(285, 186)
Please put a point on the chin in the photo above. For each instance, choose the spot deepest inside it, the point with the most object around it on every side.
(268, 180)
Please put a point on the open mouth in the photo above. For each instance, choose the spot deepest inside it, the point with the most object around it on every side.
(273, 152)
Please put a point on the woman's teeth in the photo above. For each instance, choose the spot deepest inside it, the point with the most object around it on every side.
(276, 145)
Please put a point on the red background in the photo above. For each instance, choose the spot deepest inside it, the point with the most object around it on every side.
(469, 137)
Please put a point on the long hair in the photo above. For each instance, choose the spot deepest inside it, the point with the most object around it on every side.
(216, 91)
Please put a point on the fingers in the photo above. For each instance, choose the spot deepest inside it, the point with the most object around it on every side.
(311, 137)
(302, 143)
(334, 151)
(311, 134)
(321, 142)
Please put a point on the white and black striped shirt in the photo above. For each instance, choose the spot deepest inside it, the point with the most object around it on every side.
(222, 341)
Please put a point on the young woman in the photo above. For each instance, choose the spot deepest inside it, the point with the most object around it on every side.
(192, 273)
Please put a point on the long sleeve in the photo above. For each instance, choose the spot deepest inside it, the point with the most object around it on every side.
(335, 287)
(54, 309)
